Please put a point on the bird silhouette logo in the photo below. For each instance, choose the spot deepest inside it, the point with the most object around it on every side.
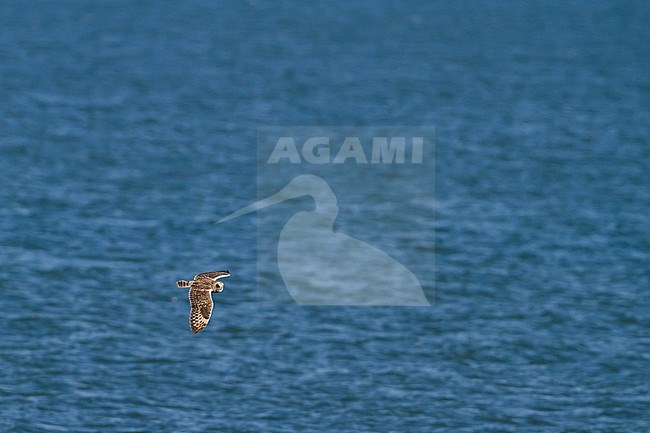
(322, 267)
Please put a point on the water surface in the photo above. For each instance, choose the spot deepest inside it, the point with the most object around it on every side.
(127, 129)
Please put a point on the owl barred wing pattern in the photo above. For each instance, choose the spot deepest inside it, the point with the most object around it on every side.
(212, 275)
(201, 309)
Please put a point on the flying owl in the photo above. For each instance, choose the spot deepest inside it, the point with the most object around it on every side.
(201, 288)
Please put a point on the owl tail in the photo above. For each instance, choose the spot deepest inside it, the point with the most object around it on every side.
(183, 283)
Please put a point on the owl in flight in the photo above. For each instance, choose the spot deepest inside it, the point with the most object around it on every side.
(201, 288)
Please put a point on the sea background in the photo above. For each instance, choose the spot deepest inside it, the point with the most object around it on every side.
(128, 128)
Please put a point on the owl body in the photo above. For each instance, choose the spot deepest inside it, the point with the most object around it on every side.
(200, 296)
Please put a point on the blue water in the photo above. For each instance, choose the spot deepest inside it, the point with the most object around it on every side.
(128, 128)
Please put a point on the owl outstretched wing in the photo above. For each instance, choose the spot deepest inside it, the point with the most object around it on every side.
(200, 309)
(213, 275)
